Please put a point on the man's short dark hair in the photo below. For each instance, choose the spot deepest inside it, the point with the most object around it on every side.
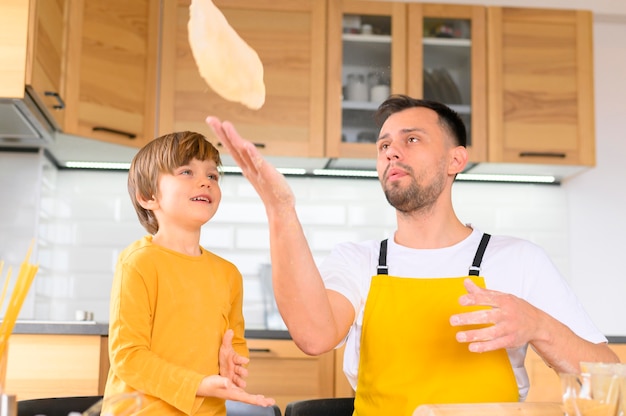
(448, 118)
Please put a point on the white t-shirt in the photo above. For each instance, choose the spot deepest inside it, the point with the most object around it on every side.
(510, 265)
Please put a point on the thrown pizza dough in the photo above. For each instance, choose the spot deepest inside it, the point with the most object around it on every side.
(225, 61)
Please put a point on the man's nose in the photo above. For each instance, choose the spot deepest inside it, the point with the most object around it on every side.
(392, 152)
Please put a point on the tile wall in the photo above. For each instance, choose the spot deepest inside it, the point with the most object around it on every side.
(88, 219)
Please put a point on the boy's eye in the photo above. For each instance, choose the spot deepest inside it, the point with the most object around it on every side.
(185, 172)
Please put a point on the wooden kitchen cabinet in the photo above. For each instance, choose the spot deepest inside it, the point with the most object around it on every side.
(280, 370)
(47, 365)
(34, 53)
(112, 70)
(431, 51)
(290, 39)
(540, 83)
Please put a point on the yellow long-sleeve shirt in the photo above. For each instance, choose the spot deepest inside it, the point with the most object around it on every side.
(169, 312)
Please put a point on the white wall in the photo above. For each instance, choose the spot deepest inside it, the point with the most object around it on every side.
(597, 199)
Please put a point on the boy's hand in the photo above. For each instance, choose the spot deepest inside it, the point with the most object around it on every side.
(222, 387)
(231, 363)
(229, 384)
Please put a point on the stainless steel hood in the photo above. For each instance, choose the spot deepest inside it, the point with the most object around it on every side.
(23, 123)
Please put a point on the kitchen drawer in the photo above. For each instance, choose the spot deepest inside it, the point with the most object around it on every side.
(280, 370)
(55, 365)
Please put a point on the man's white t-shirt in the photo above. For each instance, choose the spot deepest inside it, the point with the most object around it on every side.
(510, 265)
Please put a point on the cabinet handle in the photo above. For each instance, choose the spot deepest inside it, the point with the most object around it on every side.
(542, 154)
(260, 350)
(114, 131)
(259, 145)
(61, 103)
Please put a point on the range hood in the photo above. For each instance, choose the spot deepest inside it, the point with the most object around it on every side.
(23, 123)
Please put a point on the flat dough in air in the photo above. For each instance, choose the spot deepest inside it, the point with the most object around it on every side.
(225, 61)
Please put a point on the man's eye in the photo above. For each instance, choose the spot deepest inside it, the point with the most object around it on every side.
(413, 139)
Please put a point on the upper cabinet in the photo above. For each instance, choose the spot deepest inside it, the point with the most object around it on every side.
(290, 39)
(422, 50)
(47, 73)
(541, 101)
(112, 70)
(366, 53)
(447, 63)
(33, 52)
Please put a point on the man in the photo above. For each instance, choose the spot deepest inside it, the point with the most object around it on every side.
(449, 311)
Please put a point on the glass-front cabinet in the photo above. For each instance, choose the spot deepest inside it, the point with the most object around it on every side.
(366, 61)
(424, 50)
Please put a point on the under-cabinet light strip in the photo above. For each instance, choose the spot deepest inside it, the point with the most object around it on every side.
(486, 177)
(339, 173)
(97, 165)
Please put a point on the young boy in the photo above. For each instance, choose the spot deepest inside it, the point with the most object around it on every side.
(176, 329)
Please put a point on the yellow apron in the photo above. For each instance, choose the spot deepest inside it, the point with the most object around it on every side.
(409, 354)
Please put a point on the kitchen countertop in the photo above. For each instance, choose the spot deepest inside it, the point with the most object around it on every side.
(102, 328)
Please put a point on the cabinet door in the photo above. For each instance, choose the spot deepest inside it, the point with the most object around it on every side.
(113, 64)
(50, 365)
(46, 71)
(366, 49)
(541, 86)
(447, 63)
(290, 39)
(280, 370)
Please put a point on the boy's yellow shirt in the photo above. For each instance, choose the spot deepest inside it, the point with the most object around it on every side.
(169, 312)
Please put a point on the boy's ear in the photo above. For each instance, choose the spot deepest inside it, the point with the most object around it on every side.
(149, 204)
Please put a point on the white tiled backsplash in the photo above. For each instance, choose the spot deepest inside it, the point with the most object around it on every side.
(87, 218)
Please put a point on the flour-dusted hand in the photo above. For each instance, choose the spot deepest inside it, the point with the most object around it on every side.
(232, 365)
(512, 321)
(270, 184)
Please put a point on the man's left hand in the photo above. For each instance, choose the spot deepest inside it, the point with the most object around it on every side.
(512, 321)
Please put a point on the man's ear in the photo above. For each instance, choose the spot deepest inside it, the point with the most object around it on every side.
(458, 161)
(149, 204)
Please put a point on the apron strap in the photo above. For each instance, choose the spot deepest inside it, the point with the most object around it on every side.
(474, 270)
(382, 258)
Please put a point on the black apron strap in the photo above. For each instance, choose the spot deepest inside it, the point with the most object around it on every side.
(478, 258)
(382, 258)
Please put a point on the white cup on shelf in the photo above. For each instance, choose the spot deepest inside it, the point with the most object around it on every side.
(357, 88)
(379, 93)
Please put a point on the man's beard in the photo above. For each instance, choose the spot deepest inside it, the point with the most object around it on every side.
(413, 197)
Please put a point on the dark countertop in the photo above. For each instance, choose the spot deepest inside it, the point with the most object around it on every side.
(102, 328)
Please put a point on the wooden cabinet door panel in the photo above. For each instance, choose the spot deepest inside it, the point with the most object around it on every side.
(289, 38)
(541, 86)
(116, 57)
(47, 68)
(41, 365)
